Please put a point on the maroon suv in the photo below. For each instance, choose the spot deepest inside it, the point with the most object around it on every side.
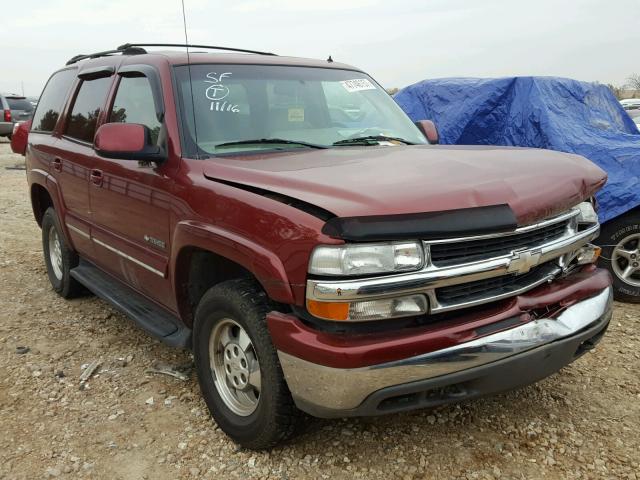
(285, 219)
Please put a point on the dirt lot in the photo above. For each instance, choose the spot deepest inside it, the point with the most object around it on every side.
(582, 423)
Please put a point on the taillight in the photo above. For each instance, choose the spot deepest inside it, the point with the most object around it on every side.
(7, 115)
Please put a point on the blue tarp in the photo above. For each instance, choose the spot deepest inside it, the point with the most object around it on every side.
(542, 112)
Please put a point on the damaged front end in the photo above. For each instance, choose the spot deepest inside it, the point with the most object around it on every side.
(460, 271)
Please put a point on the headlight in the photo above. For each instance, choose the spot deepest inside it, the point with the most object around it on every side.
(587, 213)
(366, 258)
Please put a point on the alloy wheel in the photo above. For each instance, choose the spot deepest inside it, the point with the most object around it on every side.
(55, 252)
(235, 367)
(625, 260)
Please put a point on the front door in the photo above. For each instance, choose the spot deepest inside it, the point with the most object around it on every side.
(130, 203)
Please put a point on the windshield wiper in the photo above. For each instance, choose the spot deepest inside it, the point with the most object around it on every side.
(372, 140)
(270, 141)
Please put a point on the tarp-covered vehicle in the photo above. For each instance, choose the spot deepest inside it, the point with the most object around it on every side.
(557, 114)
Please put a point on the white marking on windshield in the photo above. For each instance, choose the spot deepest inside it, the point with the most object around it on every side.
(217, 92)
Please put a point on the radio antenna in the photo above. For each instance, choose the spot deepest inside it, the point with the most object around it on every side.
(193, 105)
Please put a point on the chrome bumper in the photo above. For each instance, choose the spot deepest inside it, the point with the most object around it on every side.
(335, 389)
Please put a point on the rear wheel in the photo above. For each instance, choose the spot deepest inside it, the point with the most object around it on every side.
(59, 257)
(238, 368)
(620, 241)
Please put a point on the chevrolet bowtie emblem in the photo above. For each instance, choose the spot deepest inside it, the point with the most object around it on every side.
(522, 262)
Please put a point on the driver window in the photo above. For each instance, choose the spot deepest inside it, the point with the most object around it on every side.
(134, 104)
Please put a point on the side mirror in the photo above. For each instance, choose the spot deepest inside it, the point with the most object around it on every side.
(429, 130)
(127, 141)
(19, 137)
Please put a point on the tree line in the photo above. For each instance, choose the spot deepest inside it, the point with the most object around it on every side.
(633, 83)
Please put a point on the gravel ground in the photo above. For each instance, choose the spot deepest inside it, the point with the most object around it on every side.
(581, 423)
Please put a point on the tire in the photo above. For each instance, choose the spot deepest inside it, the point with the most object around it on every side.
(620, 242)
(222, 312)
(59, 271)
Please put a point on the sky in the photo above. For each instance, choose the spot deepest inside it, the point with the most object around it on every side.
(397, 42)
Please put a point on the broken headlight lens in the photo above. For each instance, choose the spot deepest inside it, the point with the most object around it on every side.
(587, 213)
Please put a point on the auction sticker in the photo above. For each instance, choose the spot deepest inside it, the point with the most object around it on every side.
(357, 85)
(296, 115)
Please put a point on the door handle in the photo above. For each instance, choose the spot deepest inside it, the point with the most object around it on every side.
(57, 164)
(96, 177)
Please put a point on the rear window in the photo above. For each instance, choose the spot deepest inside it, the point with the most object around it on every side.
(86, 109)
(19, 104)
(52, 100)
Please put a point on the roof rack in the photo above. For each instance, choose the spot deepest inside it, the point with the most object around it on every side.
(185, 45)
(123, 49)
(136, 49)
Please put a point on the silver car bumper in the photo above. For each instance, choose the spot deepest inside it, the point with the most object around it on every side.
(325, 391)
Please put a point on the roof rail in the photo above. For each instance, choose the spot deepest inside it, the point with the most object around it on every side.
(184, 45)
(124, 50)
(136, 49)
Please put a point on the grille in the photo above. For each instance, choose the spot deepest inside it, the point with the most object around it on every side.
(492, 287)
(455, 253)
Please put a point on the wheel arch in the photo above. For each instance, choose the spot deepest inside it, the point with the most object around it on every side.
(204, 255)
(41, 200)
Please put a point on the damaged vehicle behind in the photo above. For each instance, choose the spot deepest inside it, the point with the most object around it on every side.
(287, 221)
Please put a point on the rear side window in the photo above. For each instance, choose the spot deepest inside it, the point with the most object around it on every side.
(86, 108)
(134, 104)
(19, 104)
(52, 100)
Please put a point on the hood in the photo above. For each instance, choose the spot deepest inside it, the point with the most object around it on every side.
(365, 181)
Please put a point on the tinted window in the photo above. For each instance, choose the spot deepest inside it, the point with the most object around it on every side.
(134, 104)
(19, 104)
(86, 108)
(52, 100)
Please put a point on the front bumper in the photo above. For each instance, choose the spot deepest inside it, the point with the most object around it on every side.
(508, 357)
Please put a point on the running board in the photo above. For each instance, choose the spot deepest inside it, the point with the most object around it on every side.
(147, 315)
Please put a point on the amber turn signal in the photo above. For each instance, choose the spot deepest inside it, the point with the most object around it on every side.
(328, 310)
(588, 254)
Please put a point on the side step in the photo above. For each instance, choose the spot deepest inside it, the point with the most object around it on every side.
(146, 314)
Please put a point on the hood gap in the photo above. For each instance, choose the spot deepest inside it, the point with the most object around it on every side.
(306, 207)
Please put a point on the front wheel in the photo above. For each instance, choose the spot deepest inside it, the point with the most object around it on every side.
(620, 241)
(238, 368)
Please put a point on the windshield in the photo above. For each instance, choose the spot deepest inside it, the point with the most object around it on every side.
(261, 104)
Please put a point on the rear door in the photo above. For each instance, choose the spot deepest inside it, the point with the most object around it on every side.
(73, 160)
(131, 205)
(43, 151)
